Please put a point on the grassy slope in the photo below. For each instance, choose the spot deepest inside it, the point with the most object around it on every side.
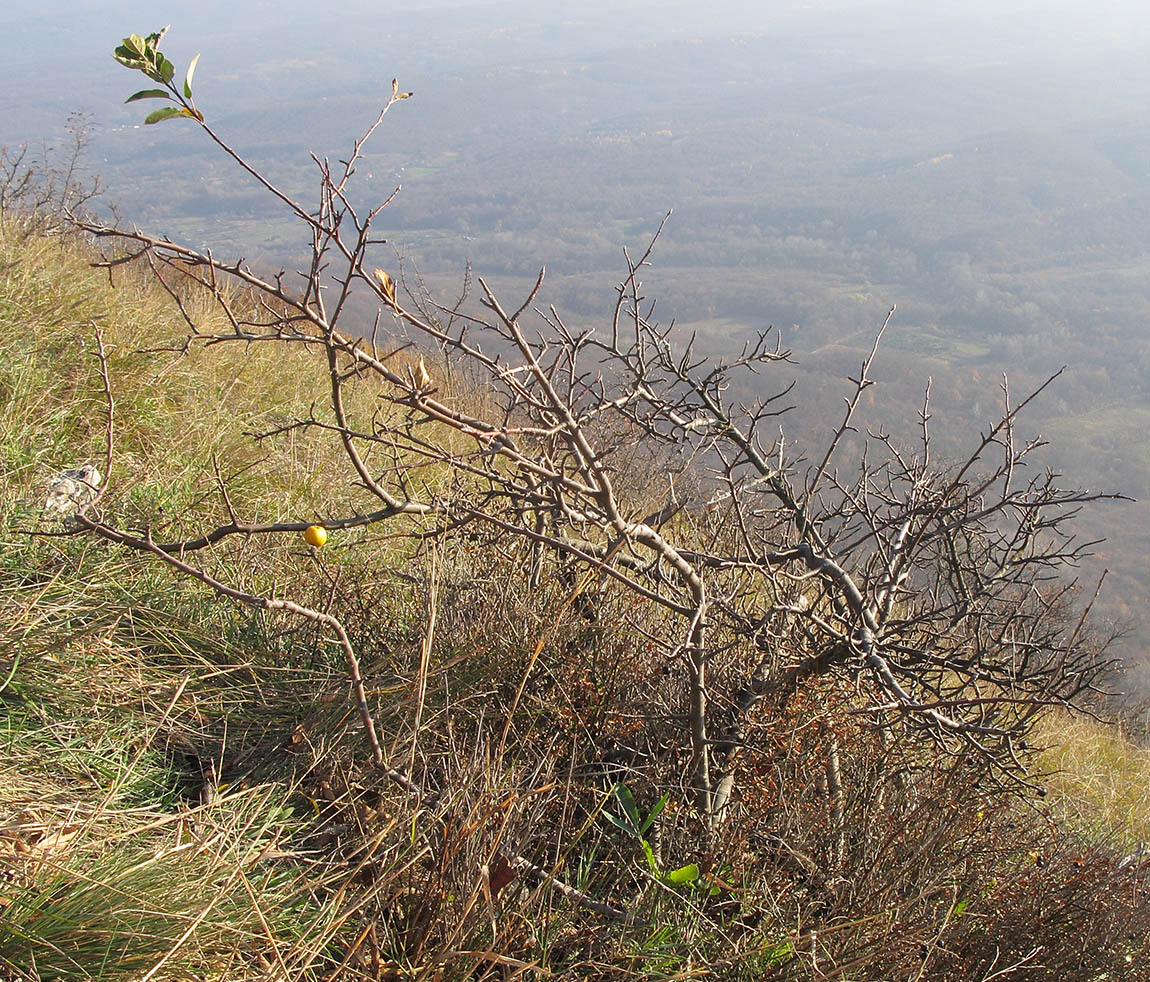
(1099, 778)
(119, 675)
(182, 785)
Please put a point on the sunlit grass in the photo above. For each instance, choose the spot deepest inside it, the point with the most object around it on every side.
(184, 788)
(1099, 778)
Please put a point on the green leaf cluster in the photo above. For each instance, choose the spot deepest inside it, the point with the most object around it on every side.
(143, 54)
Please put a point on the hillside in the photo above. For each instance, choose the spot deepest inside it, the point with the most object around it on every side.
(186, 789)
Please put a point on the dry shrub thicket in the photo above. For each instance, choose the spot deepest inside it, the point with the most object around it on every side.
(598, 675)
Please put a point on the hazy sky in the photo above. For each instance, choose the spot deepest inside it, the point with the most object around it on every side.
(58, 52)
(56, 56)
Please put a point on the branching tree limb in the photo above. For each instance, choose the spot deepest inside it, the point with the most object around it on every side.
(932, 589)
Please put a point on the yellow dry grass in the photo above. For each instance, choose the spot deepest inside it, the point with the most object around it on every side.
(1099, 778)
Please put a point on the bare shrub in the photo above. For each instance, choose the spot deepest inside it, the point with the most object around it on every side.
(609, 581)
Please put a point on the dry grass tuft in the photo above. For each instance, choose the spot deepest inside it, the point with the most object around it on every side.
(1099, 777)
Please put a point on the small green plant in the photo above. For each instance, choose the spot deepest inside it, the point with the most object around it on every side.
(637, 827)
(143, 54)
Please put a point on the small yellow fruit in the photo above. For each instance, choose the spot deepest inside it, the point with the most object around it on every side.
(315, 535)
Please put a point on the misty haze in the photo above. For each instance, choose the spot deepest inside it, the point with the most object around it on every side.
(985, 170)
